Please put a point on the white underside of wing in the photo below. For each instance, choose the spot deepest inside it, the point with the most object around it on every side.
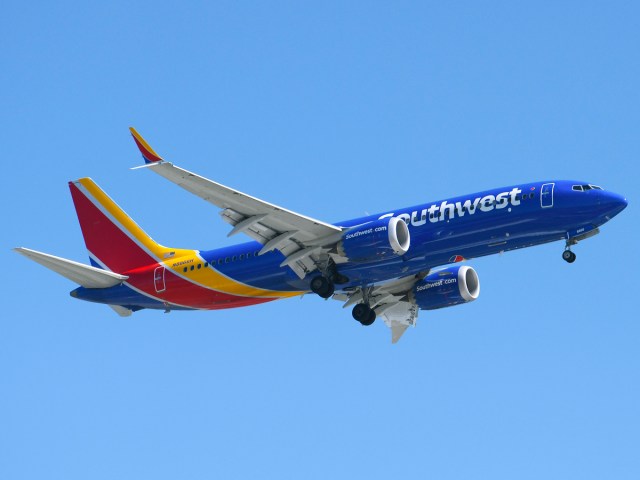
(399, 317)
(275, 227)
(277, 218)
(84, 275)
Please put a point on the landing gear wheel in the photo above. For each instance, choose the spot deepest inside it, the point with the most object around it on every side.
(322, 286)
(568, 256)
(370, 319)
(363, 314)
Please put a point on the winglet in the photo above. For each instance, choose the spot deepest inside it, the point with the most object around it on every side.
(149, 155)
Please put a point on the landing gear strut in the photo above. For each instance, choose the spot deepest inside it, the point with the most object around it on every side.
(322, 286)
(364, 314)
(568, 256)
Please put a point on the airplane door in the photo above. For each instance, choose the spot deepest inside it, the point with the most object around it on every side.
(546, 195)
(158, 279)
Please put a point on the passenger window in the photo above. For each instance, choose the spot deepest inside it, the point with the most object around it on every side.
(226, 260)
(242, 256)
(206, 264)
(184, 269)
(199, 266)
(192, 267)
(219, 261)
(234, 258)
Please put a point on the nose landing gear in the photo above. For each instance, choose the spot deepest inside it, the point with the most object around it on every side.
(568, 256)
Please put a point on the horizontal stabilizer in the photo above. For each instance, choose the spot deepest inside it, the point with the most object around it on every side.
(84, 275)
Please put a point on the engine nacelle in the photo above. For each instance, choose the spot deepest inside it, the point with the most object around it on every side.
(375, 240)
(452, 286)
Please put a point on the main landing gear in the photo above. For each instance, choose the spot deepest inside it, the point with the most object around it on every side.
(325, 284)
(325, 287)
(364, 314)
(322, 286)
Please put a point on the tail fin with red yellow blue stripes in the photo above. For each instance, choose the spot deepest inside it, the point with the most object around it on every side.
(114, 241)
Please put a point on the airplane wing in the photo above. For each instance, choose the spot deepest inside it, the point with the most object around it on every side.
(390, 300)
(299, 238)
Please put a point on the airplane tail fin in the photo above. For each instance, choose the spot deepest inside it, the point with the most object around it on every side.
(114, 241)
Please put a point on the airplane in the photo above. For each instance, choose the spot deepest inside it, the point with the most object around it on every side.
(390, 265)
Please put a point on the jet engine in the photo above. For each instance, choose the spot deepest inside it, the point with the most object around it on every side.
(451, 286)
(375, 240)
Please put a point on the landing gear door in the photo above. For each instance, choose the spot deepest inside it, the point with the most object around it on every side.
(158, 279)
(546, 195)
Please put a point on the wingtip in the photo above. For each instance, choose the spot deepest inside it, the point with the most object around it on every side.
(23, 251)
(148, 153)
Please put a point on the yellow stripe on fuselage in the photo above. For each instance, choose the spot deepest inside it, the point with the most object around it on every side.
(211, 278)
(206, 277)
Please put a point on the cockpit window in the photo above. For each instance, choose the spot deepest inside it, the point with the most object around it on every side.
(584, 188)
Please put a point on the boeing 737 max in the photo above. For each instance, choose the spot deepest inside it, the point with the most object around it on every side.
(388, 265)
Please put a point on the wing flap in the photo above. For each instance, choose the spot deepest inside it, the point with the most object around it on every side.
(399, 317)
(84, 275)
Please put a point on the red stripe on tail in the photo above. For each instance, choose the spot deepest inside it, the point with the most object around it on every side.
(121, 254)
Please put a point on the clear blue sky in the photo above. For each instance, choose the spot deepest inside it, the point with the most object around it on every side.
(331, 111)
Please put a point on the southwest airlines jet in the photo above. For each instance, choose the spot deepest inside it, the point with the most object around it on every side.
(389, 265)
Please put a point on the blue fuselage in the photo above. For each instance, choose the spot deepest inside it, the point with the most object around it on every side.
(444, 231)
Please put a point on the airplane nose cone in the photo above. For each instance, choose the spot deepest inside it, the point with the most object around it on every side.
(613, 202)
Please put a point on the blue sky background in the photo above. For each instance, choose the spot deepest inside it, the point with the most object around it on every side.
(330, 110)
